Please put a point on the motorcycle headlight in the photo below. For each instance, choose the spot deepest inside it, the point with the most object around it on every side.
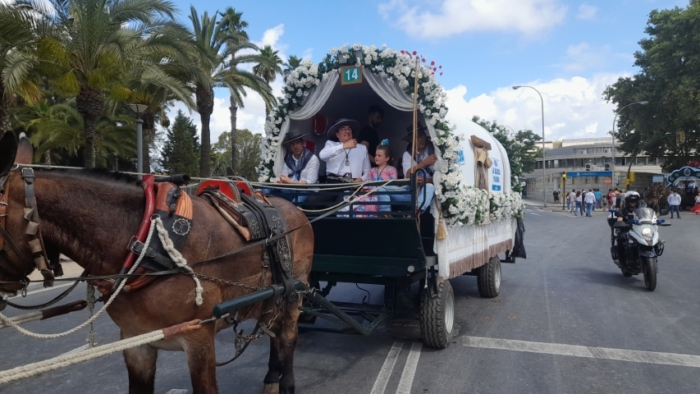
(647, 232)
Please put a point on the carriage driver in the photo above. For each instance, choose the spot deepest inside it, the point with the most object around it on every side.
(300, 165)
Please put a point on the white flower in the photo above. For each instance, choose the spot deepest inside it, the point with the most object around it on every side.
(356, 47)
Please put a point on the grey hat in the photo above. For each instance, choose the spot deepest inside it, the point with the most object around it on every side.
(343, 122)
(290, 137)
(409, 130)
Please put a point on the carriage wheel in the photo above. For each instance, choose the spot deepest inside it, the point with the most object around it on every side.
(437, 316)
(488, 278)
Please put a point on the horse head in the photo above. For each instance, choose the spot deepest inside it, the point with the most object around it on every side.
(13, 268)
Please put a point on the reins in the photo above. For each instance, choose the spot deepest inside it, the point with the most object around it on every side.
(181, 271)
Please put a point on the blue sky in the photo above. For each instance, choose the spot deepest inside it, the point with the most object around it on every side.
(569, 50)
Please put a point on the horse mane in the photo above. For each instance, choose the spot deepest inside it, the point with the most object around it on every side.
(99, 173)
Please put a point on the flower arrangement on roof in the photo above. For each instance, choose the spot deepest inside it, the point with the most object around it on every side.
(461, 204)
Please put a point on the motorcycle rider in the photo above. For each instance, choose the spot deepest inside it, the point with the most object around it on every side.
(624, 214)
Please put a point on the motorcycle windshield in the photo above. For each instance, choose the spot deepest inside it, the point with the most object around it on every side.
(644, 213)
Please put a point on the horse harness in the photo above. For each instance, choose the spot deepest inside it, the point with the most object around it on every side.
(9, 251)
(246, 210)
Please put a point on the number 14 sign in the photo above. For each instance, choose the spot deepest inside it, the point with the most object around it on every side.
(350, 75)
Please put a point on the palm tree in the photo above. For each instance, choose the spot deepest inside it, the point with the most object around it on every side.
(268, 69)
(210, 37)
(292, 63)
(96, 41)
(238, 80)
(18, 41)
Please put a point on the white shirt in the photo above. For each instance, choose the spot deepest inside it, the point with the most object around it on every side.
(407, 162)
(308, 174)
(335, 157)
(572, 197)
(590, 198)
(674, 199)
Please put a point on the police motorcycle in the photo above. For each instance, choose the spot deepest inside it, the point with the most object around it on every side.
(635, 243)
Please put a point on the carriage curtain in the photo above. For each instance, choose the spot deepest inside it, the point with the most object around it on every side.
(314, 102)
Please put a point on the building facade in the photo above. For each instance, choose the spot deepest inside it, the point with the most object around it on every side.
(588, 164)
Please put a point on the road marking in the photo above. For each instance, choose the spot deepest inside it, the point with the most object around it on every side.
(635, 356)
(387, 368)
(409, 370)
(32, 292)
(76, 350)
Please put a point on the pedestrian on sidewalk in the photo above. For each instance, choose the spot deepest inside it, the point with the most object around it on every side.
(674, 204)
(589, 199)
(572, 200)
(579, 201)
(556, 196)
(598, 198)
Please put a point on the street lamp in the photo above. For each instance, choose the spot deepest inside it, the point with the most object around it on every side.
(544, 155)
(139, 109)
(613, 136)
(635, 155)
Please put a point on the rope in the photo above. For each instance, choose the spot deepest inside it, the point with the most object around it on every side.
(177, 257)
(361, 185)
(22, 319)
(51, 364)
(9, 322)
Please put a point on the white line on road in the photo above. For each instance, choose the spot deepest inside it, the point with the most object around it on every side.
(409, 370)
(387, 368)
(635, 356)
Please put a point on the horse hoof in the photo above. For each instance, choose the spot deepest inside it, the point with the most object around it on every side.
(271, 388)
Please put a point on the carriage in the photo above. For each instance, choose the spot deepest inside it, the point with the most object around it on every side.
(474, 218)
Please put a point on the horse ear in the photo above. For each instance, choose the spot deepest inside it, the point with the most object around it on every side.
(8, 151)
(25, 152)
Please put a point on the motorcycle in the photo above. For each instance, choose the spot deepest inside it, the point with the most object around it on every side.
(643, 246)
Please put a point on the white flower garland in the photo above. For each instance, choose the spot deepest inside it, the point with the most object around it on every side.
(461, 204)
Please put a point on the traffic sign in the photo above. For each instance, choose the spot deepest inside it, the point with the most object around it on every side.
(350, 75)
(607, 181)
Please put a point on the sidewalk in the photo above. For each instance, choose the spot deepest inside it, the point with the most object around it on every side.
(557, 207)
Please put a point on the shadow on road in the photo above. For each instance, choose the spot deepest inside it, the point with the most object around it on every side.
(608, 278)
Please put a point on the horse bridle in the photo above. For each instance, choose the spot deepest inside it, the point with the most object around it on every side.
(9, 251)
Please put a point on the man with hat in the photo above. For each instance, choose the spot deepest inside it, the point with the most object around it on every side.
(300, 164)
(423, 164)
(346, 160)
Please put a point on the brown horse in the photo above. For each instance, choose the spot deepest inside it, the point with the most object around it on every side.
(90, 217)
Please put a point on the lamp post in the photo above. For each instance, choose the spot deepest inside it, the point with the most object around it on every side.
(629, 168)
(139, 109)
(544, 155)
(613, 137)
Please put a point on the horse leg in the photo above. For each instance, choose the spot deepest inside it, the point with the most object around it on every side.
(141, 365)
(201, 359)
(281, 365)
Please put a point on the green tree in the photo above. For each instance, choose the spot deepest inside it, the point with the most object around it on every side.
(60, 128)
(94, 42)
(669, 79)
(181, 150)
(248, 154)
(18, 41)
(520, 148)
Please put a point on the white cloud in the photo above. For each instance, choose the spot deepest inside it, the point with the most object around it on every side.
(458, 16)
(586, 12)
(573, 108)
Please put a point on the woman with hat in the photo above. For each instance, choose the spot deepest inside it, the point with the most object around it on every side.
(422, 164)
(346, 160)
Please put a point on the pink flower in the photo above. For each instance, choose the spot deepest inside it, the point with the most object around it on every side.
(415, 53)
(432, 63)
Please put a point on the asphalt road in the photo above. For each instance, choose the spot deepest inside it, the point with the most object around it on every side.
(566, 321)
